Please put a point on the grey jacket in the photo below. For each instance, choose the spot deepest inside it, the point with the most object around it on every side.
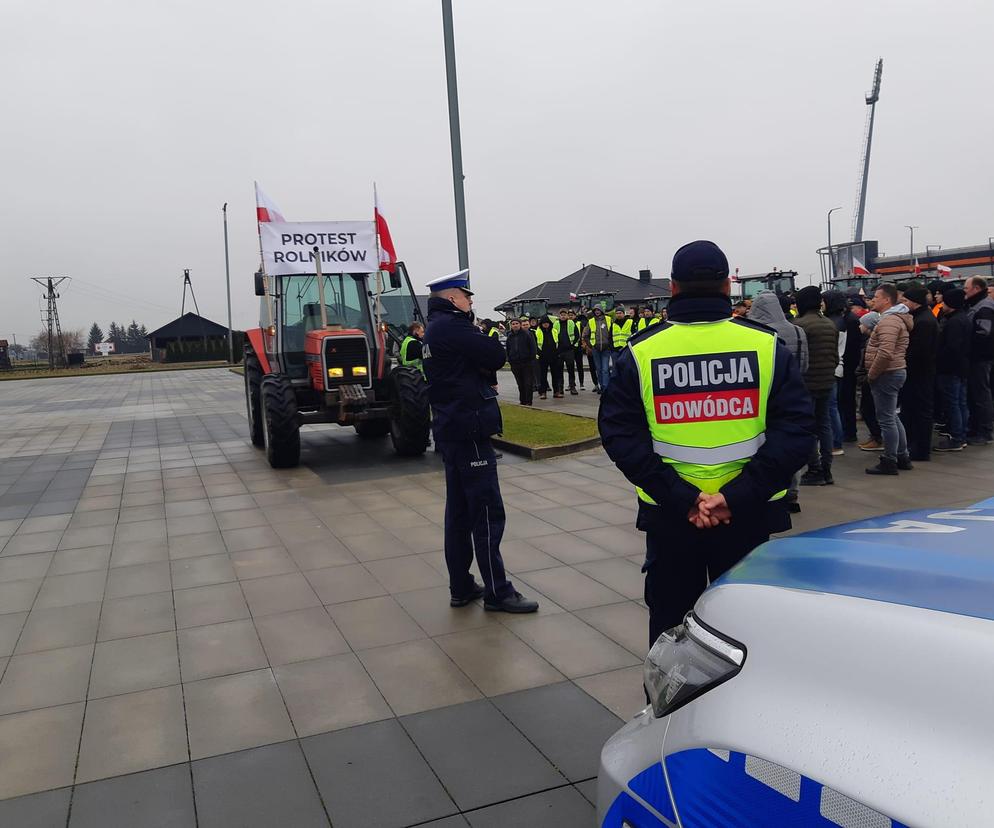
(767, 311)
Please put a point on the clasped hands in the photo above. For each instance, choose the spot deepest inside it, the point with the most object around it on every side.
(709, 510)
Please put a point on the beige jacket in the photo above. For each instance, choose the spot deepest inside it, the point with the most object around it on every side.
(888, 346)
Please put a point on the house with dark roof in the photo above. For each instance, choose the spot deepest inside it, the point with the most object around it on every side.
(592, 279)
(189, 327)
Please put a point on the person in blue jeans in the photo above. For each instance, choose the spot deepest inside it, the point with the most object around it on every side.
(598, 338)
(952, 368)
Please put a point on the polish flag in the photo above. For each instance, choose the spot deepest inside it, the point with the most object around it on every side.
(944, 272)
(918, 267)
(573, 297)
(858, 268)
(388, 255)
(265, 210)
(735, 278)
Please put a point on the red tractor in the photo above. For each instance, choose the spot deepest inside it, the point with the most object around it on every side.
(328, 352)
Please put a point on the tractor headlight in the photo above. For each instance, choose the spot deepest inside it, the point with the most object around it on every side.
(336, 373)
(685, 662)
(359, 371)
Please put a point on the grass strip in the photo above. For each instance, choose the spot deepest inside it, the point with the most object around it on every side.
(535, 428)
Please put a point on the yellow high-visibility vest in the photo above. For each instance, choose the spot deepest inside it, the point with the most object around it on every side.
(705, 387)
(621, 333)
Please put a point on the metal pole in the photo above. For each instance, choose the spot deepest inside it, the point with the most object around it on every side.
(911, 255)
(990, 247)
(320, 277)
(454, 137)
(831, 256)
(227, 281)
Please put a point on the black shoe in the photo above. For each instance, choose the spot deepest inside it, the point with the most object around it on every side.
(573, 392)
(475, 595)
(979, 441)
(884, 466)
(829, 480)
(948, 444)
(793, 507)
(904, 463)
(515, 602)
(813, 478)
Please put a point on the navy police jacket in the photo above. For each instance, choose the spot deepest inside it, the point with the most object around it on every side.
(789, 424)
(461, 363)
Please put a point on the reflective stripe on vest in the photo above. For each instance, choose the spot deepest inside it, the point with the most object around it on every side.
(494, 332)
(705, 388)
(620, 334)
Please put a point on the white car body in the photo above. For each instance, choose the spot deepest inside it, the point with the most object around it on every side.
(865, 698)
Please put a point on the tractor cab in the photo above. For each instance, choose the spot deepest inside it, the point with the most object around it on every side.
(656, 303)
(603, 299)
(781, 282)
(532, 308)
(328, 352)
(864, 285)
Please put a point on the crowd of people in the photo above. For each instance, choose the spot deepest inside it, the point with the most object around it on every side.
(544, 352)
(913, 361)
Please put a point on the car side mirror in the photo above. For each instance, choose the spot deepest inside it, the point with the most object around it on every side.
(260, 283)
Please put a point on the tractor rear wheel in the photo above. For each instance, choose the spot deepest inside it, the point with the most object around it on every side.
(282, 428)
(371, 429)
(253, 398)
(410, 415)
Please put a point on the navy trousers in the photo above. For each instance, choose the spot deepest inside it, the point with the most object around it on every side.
(474, 517)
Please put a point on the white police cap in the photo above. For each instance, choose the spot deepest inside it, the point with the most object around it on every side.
(453, 280)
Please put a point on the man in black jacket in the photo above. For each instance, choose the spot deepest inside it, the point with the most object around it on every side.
(693, 536)
(823, 358)
(981, 311)
(952, 368)
(917, 396)
(521, 354)
(461, 365)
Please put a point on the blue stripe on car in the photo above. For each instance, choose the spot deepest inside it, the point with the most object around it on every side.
(936, 559)
(713, 793)
(625, 811)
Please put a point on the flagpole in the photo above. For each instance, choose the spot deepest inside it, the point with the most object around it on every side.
(262, 260)
(227, 282)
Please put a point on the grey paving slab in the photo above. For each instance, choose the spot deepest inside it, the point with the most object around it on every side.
(561, 808)
(38, 749)
(136, 615)
(264, 786)
(160, 798)
(479, 759)
(564, 723)
(20, 567)
(299, 635)
(49, 629)
(125, 665)
(373, 774)
(220, 649)
(52, 677)
(41, 810)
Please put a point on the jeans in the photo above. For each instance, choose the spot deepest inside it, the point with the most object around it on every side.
(603, 360)
(981, 406)
(835, 416)
(886, 389)
(821, 449)
(954, 403)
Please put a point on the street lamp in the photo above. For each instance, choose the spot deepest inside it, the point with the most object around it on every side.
(990, 248)
(911, 255)
(454, 137)
(831, 260)
(227, 282)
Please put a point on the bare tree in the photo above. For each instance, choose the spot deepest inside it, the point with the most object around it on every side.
(72, 340)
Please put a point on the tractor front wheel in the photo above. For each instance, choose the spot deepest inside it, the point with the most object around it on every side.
(282, 428)
(410, 415)
(253, 398)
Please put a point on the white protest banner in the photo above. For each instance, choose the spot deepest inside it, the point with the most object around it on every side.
(345, 246)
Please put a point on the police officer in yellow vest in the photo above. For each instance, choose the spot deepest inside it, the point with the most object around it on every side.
(708, 416)
(411, 348)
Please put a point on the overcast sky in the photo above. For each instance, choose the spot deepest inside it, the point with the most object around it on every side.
(606, 133)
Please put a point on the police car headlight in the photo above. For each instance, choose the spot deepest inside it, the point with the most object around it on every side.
(685, 662)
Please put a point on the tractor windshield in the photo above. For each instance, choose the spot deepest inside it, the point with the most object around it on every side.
(345, 303)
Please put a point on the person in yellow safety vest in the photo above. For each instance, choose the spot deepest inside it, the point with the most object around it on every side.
(709, 418)
(411, 348)
(597, 340)
(547, 338)
(623, 328)
(646, 319)
(568, 342)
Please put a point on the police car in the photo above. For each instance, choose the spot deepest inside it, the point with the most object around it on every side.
(844, 677)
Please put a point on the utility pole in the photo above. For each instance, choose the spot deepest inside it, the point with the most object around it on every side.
(990, 248)
(182, 308)
(227, 281)
(454, 137)
(52, 324)
(831, 256)
(911, 255)
(864, 172)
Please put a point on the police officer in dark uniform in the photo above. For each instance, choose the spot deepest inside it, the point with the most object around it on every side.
(708, 416)
(460, 364)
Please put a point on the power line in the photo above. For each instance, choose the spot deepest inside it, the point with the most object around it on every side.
(105, 293)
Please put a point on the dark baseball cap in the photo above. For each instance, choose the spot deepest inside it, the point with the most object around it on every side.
(699, 261)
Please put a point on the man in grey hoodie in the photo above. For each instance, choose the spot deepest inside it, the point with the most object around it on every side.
(767, 309)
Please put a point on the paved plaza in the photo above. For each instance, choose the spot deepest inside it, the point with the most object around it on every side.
(188, 637)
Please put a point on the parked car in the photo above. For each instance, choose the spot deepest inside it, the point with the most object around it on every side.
(841, 677)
